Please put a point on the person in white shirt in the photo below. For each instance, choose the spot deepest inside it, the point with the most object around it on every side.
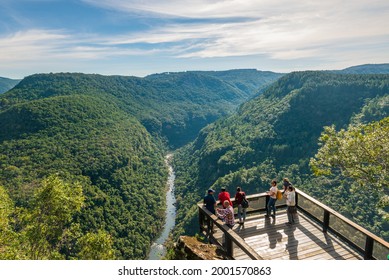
(290, 196)
(271, 205)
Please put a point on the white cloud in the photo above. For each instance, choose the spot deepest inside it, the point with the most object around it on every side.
(280, 29)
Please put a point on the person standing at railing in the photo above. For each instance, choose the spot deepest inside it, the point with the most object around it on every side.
(210, 201)
(226, 214)
(290, 197)
(286, 183)
(239, 196)
(271, 205)
(224, 195)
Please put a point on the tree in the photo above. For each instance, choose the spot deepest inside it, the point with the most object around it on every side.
(10, 241)
(96, 246)
(54, 205)
(360, 153)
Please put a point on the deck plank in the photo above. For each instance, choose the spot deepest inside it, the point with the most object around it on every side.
(272, 239)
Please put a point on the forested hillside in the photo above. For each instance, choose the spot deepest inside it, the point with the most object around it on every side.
(275, 135)
(83, 140)
(172, 105)
(7, 84)
(83, 175)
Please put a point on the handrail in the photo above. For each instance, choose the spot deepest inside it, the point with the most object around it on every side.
(328, 212)
(230, 235)
(370, 237)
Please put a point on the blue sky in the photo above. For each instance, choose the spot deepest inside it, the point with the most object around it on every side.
(141, 37)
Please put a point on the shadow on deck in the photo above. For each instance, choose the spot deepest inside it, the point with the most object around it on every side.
(320, 233)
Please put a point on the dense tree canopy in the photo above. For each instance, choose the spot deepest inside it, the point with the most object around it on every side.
(275, 135)
(174, 105)
(90, 140)
(102, 134)
(360, 153)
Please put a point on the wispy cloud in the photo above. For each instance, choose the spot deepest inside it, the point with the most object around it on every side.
(280, 31)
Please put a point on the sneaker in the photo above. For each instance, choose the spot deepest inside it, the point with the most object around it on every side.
(288, 224)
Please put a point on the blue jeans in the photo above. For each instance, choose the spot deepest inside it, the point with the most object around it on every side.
(241, 213)
(271, 205)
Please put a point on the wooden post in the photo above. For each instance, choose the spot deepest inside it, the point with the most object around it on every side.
(229, 245)
(326, 221)
(201, 220)
(369, 248)
(296, 198)
(209, 229)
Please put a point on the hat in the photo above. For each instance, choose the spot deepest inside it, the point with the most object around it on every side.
(210, 190)
(223, 188)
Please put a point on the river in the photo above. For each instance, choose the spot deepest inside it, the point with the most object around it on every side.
(158, 249)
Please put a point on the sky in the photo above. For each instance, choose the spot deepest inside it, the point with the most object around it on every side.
(142, 37)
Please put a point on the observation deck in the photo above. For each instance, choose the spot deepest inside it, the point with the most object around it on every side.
(320, 233)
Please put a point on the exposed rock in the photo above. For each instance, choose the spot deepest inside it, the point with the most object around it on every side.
(190, 248)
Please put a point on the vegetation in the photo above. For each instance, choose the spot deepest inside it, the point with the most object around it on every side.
(361, 154)
(81, 175)
(172, 105)
(82, 156)
(85, 139)
(42, 230)
(275, 135)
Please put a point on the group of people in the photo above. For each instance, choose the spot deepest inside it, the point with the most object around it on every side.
(227, 212)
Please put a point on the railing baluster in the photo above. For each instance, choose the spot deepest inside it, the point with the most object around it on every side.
(201, 220)
(326, 221)
(229, 245)
(369, 248)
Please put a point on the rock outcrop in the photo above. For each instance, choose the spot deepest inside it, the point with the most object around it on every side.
(190, 248)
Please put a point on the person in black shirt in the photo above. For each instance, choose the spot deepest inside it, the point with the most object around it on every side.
(210, 201)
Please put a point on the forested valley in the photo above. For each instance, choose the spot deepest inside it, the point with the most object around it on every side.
(82, 156)
(327, 131)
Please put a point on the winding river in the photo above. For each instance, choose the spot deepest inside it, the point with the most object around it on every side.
(158, 250)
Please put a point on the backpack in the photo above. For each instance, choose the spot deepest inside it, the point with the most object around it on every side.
(279, 195)
(245, 202)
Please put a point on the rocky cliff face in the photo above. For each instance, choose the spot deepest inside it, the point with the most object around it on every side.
(189, 248)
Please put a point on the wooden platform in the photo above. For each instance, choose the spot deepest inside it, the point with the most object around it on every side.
(272, 239)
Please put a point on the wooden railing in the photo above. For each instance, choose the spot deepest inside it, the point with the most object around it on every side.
(330, 220)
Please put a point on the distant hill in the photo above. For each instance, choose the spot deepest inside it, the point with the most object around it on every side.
(275, 134)
(367, 69)
(173, 105)
(7, 84)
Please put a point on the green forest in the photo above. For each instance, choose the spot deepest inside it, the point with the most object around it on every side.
(82, 156)
(276, 135)
(80, 141)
